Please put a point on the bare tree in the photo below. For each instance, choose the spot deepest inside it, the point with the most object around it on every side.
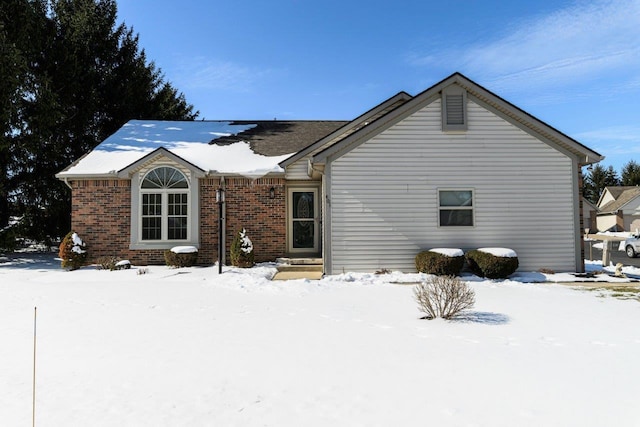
(444, 296)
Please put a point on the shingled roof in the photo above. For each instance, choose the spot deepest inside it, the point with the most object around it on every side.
(249, 148)
(622, 196)
(278, 137)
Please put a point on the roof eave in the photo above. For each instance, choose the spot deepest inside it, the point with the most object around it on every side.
(584, 154)
(80, 176)
(397, 98)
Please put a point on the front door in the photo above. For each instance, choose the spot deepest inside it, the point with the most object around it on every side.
(304, 220)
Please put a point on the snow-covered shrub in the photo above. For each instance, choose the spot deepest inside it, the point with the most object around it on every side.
(444, 296)
(107, 263)
(242, 250)
(492, 263)
(441, 262)
(181, 256)
(112, 263)
(73, 251)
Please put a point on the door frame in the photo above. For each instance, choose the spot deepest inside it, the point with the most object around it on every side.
(317, 219)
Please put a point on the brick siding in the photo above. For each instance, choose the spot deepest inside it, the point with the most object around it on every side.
(101, 215)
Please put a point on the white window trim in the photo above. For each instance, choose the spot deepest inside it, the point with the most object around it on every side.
(193, 212)
(454, 90)
(472, 208)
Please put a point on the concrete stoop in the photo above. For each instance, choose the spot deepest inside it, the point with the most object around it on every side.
(299, 268)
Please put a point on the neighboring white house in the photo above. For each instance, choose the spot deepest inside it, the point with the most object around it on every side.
(619, 209)
(455, 166)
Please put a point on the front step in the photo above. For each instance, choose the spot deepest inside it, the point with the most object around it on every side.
(299, 268)
(310, 267)
(299, 261)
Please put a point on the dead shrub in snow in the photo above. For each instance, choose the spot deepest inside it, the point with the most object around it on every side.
(444, 296)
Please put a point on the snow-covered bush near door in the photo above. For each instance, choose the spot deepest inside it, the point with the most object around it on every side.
(242, 250)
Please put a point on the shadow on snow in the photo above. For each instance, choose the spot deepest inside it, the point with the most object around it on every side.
(484, 317)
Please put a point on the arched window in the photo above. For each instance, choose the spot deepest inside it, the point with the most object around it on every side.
(165, 177)
(164, 205)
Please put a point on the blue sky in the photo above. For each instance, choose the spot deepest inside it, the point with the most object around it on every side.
(572, 64)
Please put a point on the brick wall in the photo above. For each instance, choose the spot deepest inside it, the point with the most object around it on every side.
(249, 206)
(101, 215)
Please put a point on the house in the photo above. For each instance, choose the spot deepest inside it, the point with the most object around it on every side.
(589, 215)
(619, 209)
(454, 166)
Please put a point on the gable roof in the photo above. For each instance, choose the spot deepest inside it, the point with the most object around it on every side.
(248, 148)
(590, 205)
(350, 127)
(622, 196)
(512, 113)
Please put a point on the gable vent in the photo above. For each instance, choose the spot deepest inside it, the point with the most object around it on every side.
(455, 110)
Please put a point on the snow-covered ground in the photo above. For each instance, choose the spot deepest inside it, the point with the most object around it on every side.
(187, 347)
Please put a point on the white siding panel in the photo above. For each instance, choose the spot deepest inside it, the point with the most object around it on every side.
(297, 171)
(384, 194)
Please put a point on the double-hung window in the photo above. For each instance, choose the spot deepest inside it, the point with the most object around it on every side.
(164, 211)
(455, 208)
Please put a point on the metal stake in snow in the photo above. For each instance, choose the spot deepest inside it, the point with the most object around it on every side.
(35, 317)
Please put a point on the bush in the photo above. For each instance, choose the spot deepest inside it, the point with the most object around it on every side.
(242, 250)
(112, 263)
(487, 265)
(444, 296)
(107, 263)
(181, 257)
(439, 264)
(8, 239)
(73, 251)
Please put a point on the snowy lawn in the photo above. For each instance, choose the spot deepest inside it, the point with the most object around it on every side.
(186, 347)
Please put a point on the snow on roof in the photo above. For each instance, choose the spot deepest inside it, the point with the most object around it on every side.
(190, 140)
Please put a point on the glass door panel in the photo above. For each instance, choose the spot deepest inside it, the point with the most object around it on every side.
(303, 216)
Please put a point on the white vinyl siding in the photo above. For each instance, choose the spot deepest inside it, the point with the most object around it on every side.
(384, 194)
(298, 170)
(631, 214)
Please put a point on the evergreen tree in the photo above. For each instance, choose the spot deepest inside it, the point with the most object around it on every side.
(70, 78)
(20, 25)
(597, 179)
(631, 174)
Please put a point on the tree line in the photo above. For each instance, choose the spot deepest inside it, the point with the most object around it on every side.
(599, 177)
(70, 76)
